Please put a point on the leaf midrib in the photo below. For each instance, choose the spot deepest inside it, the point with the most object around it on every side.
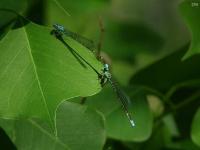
(56, 139)
(36, 75)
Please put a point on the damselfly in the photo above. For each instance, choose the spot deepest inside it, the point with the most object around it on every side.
(105, 76)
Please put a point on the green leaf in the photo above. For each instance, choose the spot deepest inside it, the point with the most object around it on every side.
(191, 10)
(37, 72)
(117, 124)
(78, 128)
(169, 72)
(126, 28)
(69, 13)
(5, 5)
(185, 144)
(195, 133)
(9, 11)
(79, 7)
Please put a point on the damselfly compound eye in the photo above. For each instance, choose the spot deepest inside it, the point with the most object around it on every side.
(58, 27)
(106, 67)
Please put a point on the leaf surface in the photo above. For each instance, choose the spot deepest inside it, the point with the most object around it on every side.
(78, 128)
(37, 72)
(191, 10)
(169, 72)
(195, 133)
(117, 123)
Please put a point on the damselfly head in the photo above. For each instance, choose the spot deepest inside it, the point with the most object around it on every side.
(106, 67)
(59, 28)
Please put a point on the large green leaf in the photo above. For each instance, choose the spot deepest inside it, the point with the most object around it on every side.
(117, 124)
(191, 10)
(37, 72)
(195, 133)
(78, 128)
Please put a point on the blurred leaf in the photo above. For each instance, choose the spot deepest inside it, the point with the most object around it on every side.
(155, 142)
(5, 5)
(9, 11)
(191, 10)
(128, 25)
(188, 145)
(123, 71)
(117, 124)
(155, 104)
(168, 72)
(195, 133)
(170, 124)
(36, 70)
(162, 138)
(182, 145)
(20, 6)
(124, 40)
(184, 110)
(5, 142)
(78, 128)
(112, 144)
(143, 26)
(179, 80)
(78, 7)
(57, 12)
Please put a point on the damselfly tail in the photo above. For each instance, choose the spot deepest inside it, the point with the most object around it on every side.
(123, 99)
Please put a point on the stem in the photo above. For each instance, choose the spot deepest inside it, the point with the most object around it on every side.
(83, 100)
(188, 100)
(181, 105)
(180, 85)
(101, 38)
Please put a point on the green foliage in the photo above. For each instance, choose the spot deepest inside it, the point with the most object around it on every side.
(74, 123)
(117, 125)
(172, 76)
(153, 52)
(190, 10)
(33, 74)
(195, 128)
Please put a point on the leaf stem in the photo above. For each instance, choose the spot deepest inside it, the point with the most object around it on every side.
(188, 100)
(177, 107)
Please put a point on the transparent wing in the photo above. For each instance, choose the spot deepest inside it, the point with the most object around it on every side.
(123, 99)
(58, 32)
(82, 40)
